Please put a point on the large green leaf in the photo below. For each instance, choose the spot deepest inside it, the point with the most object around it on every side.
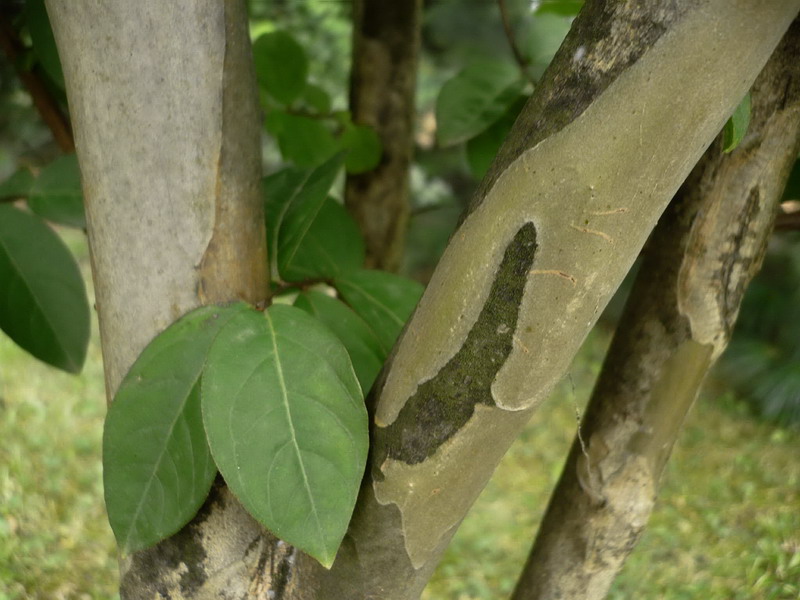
(360, 341)
(281, 66)
(44, 44)
(383, 300)
(43, 304)
(300, 213)
(287, 425)
(364, 148)
(18, 185)
(542, 38)
(737, 125)
(157, 468)
(482, 149)
(304, 141)
(56, 194)
(333, 244)
(566, 8)
(474, 99)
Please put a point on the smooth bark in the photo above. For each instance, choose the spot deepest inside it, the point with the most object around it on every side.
(678, 320)
(383, 79)
(619, 120)
(163, 103)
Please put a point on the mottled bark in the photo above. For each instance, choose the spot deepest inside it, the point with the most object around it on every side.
(382, 92)
(163, 102)
(622, 115)
(678, 320)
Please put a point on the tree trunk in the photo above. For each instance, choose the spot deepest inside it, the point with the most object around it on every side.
(678, 320)
(622, 115)
(382, 93)
(164, 107)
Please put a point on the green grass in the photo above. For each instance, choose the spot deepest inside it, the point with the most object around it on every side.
(726, 526)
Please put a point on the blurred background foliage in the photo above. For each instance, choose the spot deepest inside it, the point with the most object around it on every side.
(727, 522)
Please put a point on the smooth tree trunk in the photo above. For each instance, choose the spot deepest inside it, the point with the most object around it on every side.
(633, 98)
(678, 320)
(163, 103)
(386, 39)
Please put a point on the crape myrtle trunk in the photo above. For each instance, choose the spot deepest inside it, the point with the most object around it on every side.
(677, 321)
(383, 80)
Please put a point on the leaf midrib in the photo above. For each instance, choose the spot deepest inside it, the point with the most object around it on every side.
(285, 398)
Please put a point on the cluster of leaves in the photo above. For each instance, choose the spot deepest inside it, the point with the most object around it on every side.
(299, 113)
(43, 302)
(272, 398)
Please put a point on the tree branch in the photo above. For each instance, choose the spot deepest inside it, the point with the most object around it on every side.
(496, 327)
(45, 104)
(678, 320)
(521, 60)
(386, 38)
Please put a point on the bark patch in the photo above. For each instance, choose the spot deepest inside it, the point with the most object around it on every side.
(442, 405)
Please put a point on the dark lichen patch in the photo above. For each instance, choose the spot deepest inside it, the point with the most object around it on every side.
(442, 405)
(606, 38)
(152, 571)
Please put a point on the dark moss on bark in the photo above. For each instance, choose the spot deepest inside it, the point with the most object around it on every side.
(442, 405)
(151, 569)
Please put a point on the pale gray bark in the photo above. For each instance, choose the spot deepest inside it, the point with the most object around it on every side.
(163, 104)
(678, 320)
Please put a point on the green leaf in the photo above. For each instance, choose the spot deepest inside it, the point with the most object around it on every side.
(56, 194)
(287, 425)
(383, 300)
(542, 39)
(474, 99)
(16, 186)
(360, 341)
(302, 140)
(281, 66)
(44, 44)
(482, 149)
(43, 304)
(333, 244)
(302, 210)
(737, 125)
(317, 98)
(363, 147)
(279, 190)
(157, 467)
(565, 8)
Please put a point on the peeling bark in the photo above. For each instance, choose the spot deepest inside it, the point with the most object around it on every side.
(679, 319)
(163, 102)
(386, 38)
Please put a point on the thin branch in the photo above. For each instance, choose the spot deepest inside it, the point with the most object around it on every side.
(788, 222)
(45, 104)
(522, 61)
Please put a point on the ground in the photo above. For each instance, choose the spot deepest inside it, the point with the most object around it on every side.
(726, 527)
